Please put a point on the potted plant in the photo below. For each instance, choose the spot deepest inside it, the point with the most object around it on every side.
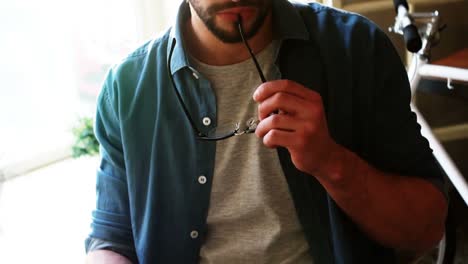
(85, 143)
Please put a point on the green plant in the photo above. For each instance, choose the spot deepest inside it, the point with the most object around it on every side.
(86, 143)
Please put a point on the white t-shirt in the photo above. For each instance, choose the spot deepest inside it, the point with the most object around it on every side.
(251, 216)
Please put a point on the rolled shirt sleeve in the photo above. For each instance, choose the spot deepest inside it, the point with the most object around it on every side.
(398, 145)
(111, 218)
(93, 244)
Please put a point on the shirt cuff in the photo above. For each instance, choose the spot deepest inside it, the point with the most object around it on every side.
(92, 244)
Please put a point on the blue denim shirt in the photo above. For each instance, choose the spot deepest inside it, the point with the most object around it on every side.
(148, 194)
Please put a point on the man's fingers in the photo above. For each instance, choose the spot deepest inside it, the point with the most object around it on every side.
(268, 89)
(279, 122)
(285, 102)
(278, 138)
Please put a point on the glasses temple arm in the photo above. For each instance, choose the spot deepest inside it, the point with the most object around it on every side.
(241, 31)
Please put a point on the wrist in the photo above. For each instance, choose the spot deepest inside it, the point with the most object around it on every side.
(335, 166)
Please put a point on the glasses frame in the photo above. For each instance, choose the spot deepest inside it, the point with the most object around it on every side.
(251, 124)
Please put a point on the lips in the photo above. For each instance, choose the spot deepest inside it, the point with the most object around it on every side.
(231, 14)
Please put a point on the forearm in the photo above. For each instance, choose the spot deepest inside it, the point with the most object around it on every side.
(400, 212)
(407, 213)
(106, 256)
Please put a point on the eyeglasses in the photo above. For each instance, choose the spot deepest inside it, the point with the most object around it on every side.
(250, 125)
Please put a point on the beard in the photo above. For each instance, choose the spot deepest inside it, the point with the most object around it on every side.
(231, 34)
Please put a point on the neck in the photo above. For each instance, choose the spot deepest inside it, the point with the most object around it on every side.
(207, 48)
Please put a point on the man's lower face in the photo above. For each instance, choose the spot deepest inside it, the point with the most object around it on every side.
(221, 17)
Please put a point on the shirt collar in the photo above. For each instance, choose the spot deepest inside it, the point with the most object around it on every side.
(287, 22)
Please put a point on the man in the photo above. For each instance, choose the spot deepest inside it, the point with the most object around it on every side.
(337, 171)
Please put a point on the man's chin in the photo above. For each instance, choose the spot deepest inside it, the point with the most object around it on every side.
(226, 34)
(228, 37)
(228, 31)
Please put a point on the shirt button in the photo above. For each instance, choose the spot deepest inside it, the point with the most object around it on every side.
(206, 121)
(202, 179)
(194, 234)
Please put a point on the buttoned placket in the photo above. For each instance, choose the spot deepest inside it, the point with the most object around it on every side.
(207, 119)
(204, 116)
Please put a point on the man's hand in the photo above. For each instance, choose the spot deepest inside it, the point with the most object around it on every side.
(300, 126)
(398, 211)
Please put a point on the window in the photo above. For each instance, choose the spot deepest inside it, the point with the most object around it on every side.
(54, 56)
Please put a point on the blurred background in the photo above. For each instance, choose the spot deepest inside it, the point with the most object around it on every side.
(54, 56)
